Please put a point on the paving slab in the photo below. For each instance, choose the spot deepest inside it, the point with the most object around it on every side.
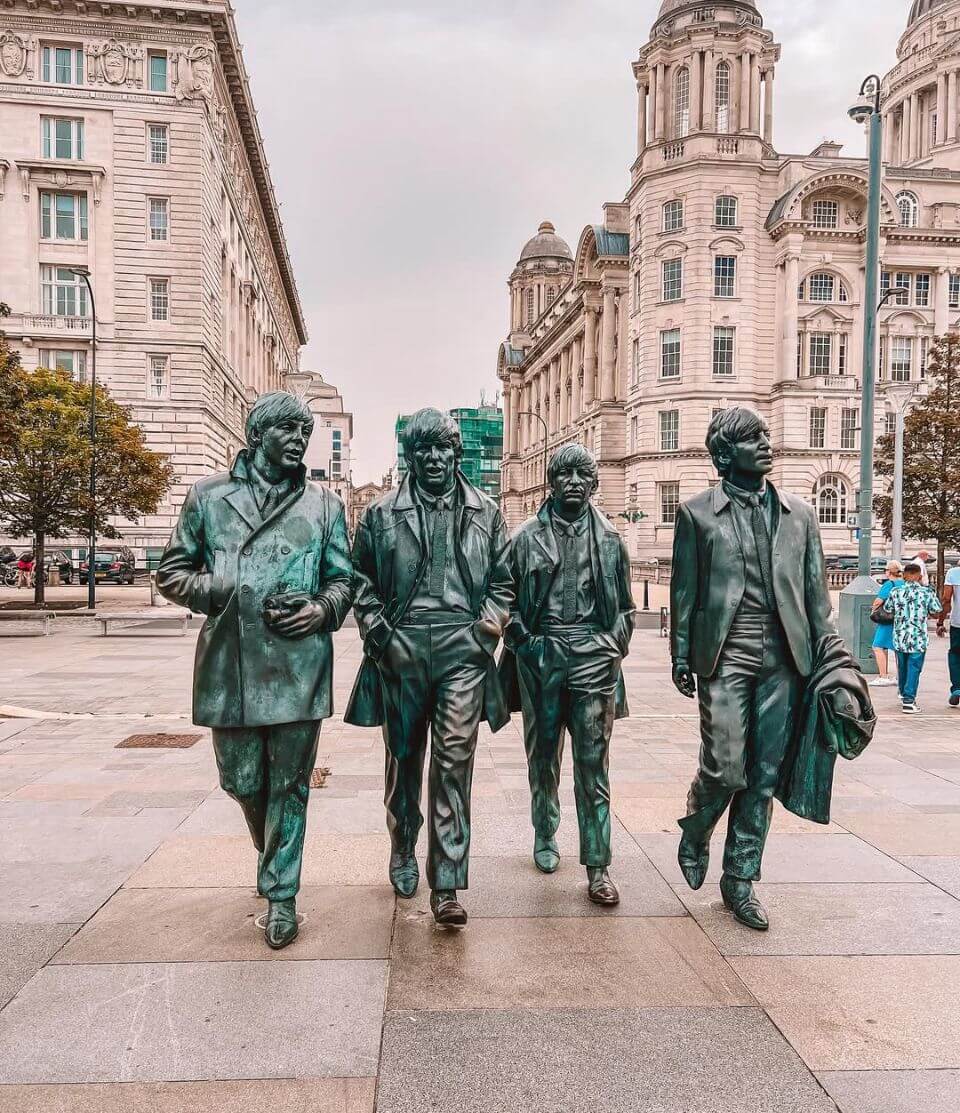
(316, 1095)
(497, 835)
(513, 887)
(597, 1061)
(836, 920)
(24, 949)
(197, 925)
(819, 859)
(853, 1013)
(656, 815)
(915, 833)
(537, 963)
(943, 872)
(194, 1021)
(226, 861)
(890, 1091)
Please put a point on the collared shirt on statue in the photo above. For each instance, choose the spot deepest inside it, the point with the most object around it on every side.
(442, 587)
(268, 496)
(572, 597)
(753, 519)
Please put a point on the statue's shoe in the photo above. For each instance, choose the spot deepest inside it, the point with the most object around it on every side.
(602, 890)
(447, 910)
(694, 862)
(404, 874)
(282, 925)
(740, 898)
(546, 854)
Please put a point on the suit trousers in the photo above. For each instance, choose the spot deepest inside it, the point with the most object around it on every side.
(568, 682)
(267, 771)
(747, 712)
(433, 679)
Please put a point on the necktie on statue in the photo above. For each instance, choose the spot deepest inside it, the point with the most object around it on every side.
(438, 550)
(761, 537)
(272, 501)
(569, 577)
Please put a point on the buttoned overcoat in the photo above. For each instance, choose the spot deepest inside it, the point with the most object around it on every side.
(223, 560)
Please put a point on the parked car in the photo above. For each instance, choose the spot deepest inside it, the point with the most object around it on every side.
(114, 565)
(62, 562)
(841, 563)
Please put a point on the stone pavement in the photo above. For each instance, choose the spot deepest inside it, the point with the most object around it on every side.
(133, 977)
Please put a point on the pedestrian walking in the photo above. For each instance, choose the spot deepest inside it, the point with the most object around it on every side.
(923, 559)
(883, 637)
(25, 570)
(911, 606)
(951, 606)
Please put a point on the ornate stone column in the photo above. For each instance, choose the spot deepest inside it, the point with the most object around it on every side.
(941, 109)
(696, 93)
(744, 91)
(576, 396)
(509, 446)
(608, 353)
(952, 106)
(768, 107)
(941, 303)
(915, 126)
(641, 117)
(709, 90)
(755, 93)
(564, 396)
(791, 282)
(905, 132)
(654, 101)
(663, 96)
(589, 356)
(554, 423)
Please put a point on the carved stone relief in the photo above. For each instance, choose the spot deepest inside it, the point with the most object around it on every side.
(193, 73)
(115, 63)
(16, 55)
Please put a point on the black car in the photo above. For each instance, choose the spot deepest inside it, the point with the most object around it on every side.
(112, 566)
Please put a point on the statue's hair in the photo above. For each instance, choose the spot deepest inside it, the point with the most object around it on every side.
(571, 456)
(727, 429)
(430, 426)
(272, 409)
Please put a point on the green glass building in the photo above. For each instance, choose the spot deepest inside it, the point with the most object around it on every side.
(481, 428)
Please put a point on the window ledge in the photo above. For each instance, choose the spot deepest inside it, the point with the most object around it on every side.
(60, 174)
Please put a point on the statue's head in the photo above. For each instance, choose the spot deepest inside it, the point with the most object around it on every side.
(432, 448)
(739, 442)
(573, 479)
(278, 430)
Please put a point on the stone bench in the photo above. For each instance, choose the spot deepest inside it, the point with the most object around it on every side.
(46, 617)
(179, 618)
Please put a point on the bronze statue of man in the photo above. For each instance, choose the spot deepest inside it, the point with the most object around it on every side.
(265, 555)
(569, 631)
(432, 597)
(749, 607)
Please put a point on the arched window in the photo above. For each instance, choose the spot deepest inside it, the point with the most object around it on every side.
(823, 287)
(681, 103)
(531, 306)
(721, 97)
(830, 496)
(909, 208)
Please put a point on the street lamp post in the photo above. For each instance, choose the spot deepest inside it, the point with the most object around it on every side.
(856, 600)
(546, 437)
(84, 273)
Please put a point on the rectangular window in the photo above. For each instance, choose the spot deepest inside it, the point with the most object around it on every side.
(668, 497)
(61, 138)
(672, 280)
(818, 427)
(901, 359)
(724, 341)
(673, 216)
(848, 429)
(822, 286)
(921, 290)
(158, 377)
(725, 276)
(74, 363)
(882, 362)
(635, 362)
(63, 216)
(890, 424)
(670, 354)
(158, 73)
(725, 212)
(636, 290)
(159, 219)
(842, 355)
(826, 214)
(905, 282)
(955, 291)
(634, 433)
(159, 299)
(821, 353)
(924, 355)
(158, 141)
(62, 293)
(669, 430)
(62, 65)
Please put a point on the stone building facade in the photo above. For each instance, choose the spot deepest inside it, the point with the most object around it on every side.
(733, 274)
(328, 454)
(129, 144)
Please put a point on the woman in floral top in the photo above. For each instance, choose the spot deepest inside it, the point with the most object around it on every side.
(911, 606)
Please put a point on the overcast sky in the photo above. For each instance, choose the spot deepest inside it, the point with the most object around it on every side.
(416, 145)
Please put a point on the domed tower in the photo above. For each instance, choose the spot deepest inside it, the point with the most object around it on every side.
(707, 71)
(921, 110)
(543, 269)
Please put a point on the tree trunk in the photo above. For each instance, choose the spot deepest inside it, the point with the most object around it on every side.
(941, 565)
(39, 553)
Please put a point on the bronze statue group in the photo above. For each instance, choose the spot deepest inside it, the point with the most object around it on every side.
(436, 584)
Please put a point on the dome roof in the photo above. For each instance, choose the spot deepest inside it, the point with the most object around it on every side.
(546, 244)
(668, 7)
(923, 8)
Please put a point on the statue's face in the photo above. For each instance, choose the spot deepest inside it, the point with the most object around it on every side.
(284, 444)
(572, 488)
(433, 466)
(753, 455)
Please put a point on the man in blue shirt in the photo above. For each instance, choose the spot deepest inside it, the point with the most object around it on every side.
(951, 605)
(911, 607)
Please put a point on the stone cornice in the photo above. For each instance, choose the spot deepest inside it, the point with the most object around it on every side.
(61, 174)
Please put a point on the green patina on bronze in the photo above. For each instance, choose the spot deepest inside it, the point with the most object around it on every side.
(265, 555)
(432, 597)
(752, 636)
(569, 630)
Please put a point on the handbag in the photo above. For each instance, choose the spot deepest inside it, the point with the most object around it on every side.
(880, 617)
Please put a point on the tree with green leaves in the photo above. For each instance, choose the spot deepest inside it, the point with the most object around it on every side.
(931, 471)
(45, 469)
(11, 394)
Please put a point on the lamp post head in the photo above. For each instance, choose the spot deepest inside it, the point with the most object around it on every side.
(83, 272)
(861, 110)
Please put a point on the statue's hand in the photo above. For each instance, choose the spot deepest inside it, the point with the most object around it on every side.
(684, 680)
(296, 616)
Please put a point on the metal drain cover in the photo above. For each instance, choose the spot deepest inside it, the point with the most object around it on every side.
(159, 742)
